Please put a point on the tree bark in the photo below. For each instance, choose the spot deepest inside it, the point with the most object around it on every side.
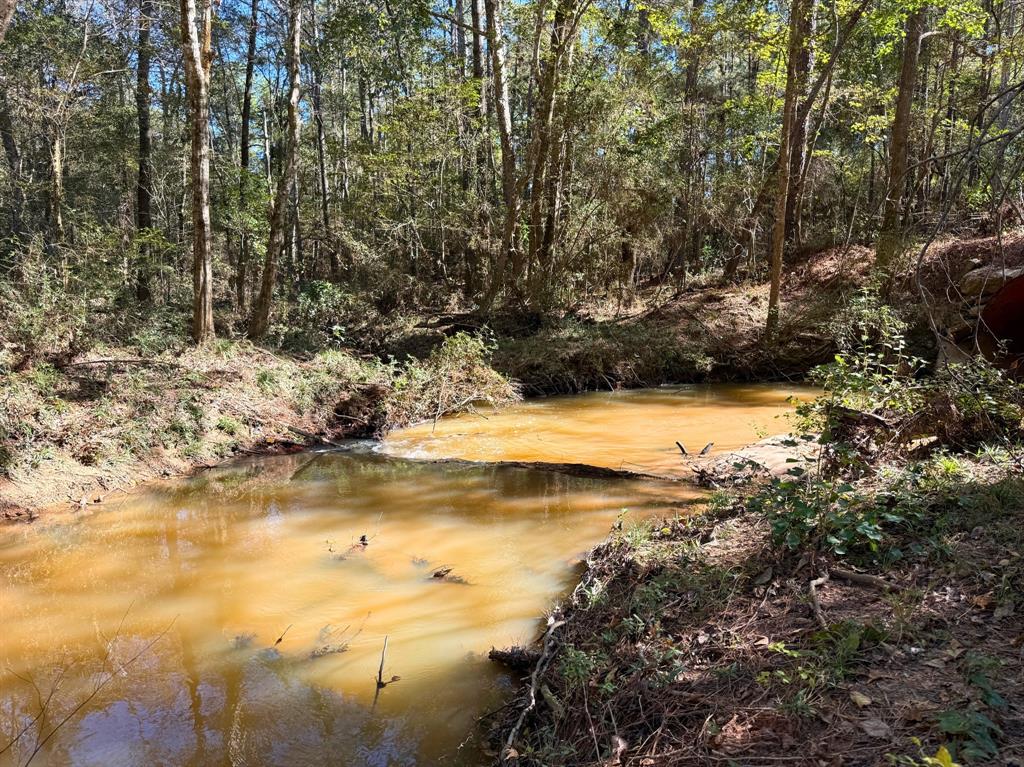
(509, 184)
(6, 15)
(789, 117)
(260, 321)
(245, 243)
(144, 186)
(890, 237)
(196, 26)
(545, 156)
(321, 151)
(799, 156)
(13, 154)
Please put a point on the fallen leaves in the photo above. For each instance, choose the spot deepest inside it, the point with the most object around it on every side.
(860, 700)
(875, 728)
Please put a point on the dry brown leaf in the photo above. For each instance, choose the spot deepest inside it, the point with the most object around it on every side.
(875, 728)
(860, 699)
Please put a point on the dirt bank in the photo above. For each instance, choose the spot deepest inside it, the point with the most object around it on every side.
(702, 641)
(707, 330)
(111, 418)
(79, 423)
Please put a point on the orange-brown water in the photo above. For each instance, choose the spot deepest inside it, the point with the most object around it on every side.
(146, 630)
(634, 430)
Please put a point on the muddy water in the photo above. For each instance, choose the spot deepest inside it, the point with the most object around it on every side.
(236, 618)
(635, 430)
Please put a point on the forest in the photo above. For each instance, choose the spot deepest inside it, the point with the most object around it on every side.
(512, 280)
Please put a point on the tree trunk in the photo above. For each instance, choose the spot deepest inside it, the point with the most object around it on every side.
(144, 187)
(196, 25)
(260, 321)
(799, 156)
(890, 237)
(57, 186)
(13, 155)
(6, 14)
(245, 243)
(509, 183)
(321, 152)
(545, 158)
(789, 117)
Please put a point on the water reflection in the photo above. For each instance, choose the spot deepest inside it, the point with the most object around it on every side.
(238, 617)
(215, 569)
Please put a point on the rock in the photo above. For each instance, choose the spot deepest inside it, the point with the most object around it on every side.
(986, 280)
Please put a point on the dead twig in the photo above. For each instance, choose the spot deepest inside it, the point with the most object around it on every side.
(815, 601)
(312, 436)
(863, 579)
(550, 646)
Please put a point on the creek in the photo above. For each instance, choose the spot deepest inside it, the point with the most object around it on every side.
(239, 616)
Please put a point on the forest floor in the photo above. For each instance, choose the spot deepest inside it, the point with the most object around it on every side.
(82, 420)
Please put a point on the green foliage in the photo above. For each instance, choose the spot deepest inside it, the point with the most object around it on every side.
(823, 505)
(454, 377)
(972, 730)
(319, 318)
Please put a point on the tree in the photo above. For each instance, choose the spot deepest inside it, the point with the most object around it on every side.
(509, 182)
(259, 323)
(797, 25)
(890, 238)
(143, 191)
(242, 264)
(6, 14)
(196, 30)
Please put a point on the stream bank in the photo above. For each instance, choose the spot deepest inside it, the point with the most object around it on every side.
(88, 410)
(701, 641)
(861, 607)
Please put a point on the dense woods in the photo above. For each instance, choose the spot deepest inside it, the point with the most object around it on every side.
(245, 228)
(478, 153)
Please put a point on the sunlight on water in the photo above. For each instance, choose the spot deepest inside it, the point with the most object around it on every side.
(633, 430)
(152, 622)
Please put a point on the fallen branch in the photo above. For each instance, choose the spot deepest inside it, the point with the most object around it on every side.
(314, 437)
(550, 646)
(515, 658)
(863, 579)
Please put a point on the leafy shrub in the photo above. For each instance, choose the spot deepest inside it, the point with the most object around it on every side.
(455, 376)
(319, 319)
(877, 398)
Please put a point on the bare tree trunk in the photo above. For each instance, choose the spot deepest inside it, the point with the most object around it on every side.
(6, 14)
(245, 244)
(509, 184)
(890, 237)
(321, 151)
(13, 155)
(57, 186)
(196, 24)
(799, 157)
(789, 117)
(545, 155)
(144, 187)
(260, 321)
